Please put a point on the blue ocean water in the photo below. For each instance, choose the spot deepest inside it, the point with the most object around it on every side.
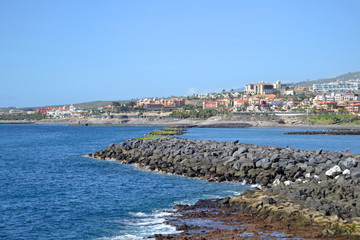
(276, 137)
(50, 190)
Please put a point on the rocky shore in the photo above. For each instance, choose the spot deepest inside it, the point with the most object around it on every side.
(327, 132)
(222, 125)
(313, 189)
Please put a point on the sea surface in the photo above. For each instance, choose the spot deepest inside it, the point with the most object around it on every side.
(50, 190)
(276, 137)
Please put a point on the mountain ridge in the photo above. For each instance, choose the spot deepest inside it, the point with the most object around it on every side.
(342, 77)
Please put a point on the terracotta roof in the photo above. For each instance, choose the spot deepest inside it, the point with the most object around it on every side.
(239, 100)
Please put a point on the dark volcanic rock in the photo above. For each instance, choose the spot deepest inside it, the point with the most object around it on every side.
(224, 125)
(329, 132)
(324, 181)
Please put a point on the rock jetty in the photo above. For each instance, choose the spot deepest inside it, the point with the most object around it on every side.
(306, 187)
(327, 132)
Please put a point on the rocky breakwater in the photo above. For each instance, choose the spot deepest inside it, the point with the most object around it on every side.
(327, 132)
(317, 188)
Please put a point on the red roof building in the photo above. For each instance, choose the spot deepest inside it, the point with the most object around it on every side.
(210, 104)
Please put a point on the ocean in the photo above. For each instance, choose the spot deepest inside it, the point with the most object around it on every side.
(51, 190)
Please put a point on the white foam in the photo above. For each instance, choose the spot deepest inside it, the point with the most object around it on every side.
(147, 222)
(184, 202)
(236, 193)
(162, 213)
(125, 237)
(138, 214)
(256, 185)
(142, 225)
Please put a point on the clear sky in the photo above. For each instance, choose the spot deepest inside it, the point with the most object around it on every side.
(71, 51)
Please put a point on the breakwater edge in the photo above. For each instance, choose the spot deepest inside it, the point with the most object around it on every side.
(300, 187)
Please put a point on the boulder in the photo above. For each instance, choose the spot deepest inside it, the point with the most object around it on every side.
(334, 171)
(237, 165)
(348, 163)
(355, 173)
(246, 166)
(233, 150)
(264, 164)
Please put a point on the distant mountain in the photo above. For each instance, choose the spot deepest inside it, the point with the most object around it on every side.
(343, 77)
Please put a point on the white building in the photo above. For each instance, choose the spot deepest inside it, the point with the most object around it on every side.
(263, 88)
(345, 87)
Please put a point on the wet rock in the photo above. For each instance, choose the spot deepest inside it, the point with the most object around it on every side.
(183, 227)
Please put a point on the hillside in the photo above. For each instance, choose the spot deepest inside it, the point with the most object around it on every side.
(343, 77)
(87, 105)
(96, 104)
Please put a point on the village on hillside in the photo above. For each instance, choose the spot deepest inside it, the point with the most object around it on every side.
(341, 97)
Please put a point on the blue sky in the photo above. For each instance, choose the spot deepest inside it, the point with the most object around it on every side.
(62, 51)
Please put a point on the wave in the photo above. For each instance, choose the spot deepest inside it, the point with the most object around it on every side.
(125, 237)
(141, 225)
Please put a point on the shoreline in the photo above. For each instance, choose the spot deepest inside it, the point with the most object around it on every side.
(298, 184)
(218, 123)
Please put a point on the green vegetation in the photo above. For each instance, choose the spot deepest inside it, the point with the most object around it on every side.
(191, 107)
(173, 129)
(168, 131)
(334, 119)
(13, 117)
(159, 132)
(151, 137)
(120, 107)
(97, 104)
(204, 114)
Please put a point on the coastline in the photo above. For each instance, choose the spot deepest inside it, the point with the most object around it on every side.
(286, 175)
(218, 122)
